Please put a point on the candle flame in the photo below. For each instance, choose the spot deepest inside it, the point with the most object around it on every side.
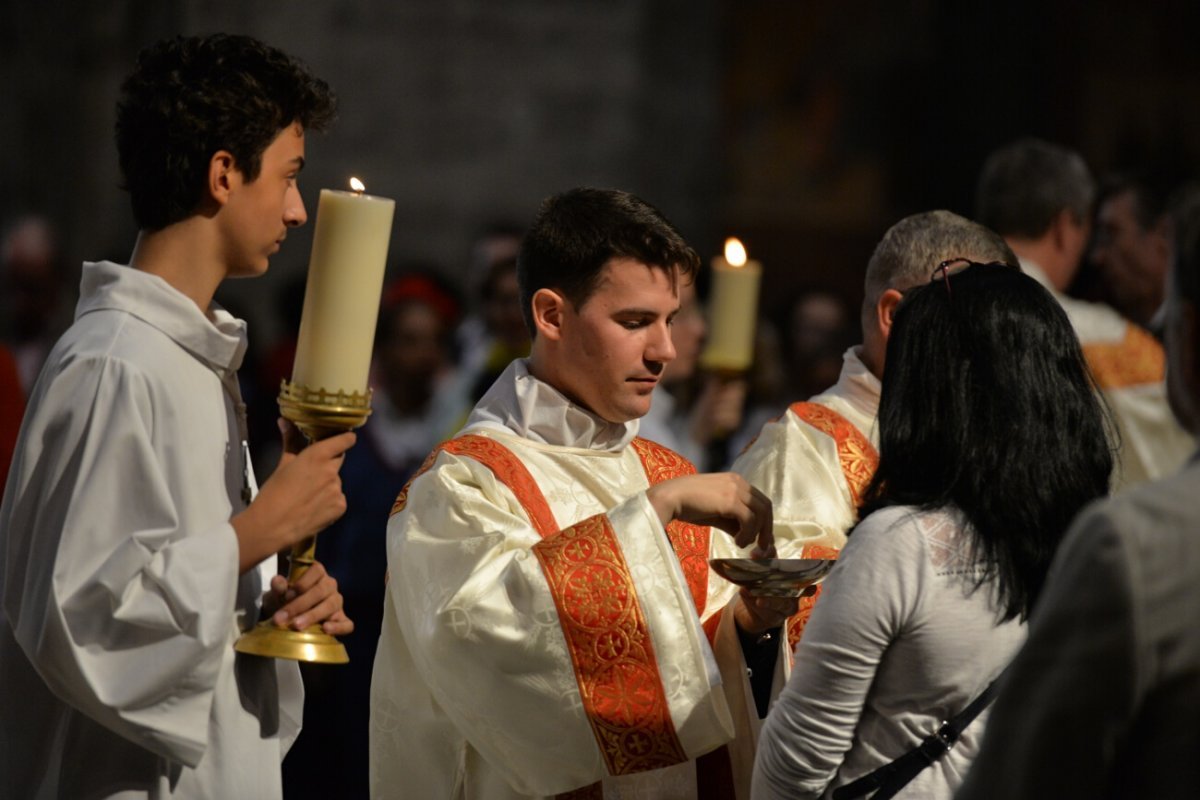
(735, 252)
(357, 185)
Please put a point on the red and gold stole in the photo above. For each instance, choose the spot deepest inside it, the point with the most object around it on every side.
(859, 460)
(1137, 359)
(602, 620)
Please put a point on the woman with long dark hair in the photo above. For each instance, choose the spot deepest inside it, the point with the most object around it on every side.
(991, 440)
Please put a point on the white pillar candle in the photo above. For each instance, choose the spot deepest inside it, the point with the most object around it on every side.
(341, 299)
(733, 311)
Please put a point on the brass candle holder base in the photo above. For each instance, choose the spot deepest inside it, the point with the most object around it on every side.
(318, 414)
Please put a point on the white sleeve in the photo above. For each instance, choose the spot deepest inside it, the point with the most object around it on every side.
(873, 589)
(798, 467)
(122, 611)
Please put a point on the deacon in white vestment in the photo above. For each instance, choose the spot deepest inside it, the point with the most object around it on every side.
(816, 459)
(121, 592)
(551, 625)
(479, 687)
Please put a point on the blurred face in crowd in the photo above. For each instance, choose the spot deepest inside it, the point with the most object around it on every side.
(1182, 334)
(687, 334)
(411, 354)
(29, 279)
(608, 354)
(502, 310)
(1132, 260)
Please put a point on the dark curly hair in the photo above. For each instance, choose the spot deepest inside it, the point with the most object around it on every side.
(988, 406)
(580, 230)
(189, 97)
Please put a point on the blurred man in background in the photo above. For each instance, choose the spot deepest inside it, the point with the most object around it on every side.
(1039, 197)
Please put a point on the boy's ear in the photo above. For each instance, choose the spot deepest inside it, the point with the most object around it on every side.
(548, 307)
(220, 176)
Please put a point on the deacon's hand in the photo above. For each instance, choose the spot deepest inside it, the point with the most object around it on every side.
(312, 599)
(723, 500)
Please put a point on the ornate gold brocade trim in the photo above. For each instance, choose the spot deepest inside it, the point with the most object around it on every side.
(602, 621)
(609, 640)
(857, 455)
(799, 621)
(690, 542)
(505, 466)
(1137, 359)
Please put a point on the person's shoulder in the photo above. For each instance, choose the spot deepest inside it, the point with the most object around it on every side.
(905, 526)
(1153, 513)
(657, 455)
(114, 342)
(1095, 322)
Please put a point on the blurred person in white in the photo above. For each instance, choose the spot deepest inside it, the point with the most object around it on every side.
(815, 461)
(1104, 699)
(691, 410)
(928, 601)
(1039, 197)
(1131, 244)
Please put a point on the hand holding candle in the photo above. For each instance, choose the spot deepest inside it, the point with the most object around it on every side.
(733, 310)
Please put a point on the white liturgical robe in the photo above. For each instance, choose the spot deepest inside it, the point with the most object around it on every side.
(1129, 365)
(120, 585)
(816, 459)
(541, 633)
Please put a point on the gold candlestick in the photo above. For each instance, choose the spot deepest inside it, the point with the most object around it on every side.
(317, 414)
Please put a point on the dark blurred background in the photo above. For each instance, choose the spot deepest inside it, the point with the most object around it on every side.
(806, 128)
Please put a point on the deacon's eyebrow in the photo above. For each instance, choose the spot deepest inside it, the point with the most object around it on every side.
(299, 162)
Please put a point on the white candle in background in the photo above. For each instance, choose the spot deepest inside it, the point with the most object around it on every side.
(341, 299)
(733, 311)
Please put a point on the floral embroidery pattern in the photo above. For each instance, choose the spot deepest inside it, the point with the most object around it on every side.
(610, 645)
(858, 456)
(507, 468)
(1136, 359)
(604, 626)
(690, 542)
(798, 621)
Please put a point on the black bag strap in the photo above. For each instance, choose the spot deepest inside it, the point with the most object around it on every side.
(893, 776)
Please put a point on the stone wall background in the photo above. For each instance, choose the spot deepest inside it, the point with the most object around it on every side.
(805, 127)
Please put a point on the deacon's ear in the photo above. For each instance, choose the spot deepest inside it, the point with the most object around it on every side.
(220, 176)
(548, 310)
(885, 310)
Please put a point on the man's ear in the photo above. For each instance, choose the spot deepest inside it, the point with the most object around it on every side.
(220, 176)
(549, 308)
(885, 310)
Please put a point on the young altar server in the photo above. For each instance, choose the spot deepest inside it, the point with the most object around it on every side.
(551, 625)
(133, 547)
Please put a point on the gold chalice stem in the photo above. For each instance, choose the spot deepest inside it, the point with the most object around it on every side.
(317, 414)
